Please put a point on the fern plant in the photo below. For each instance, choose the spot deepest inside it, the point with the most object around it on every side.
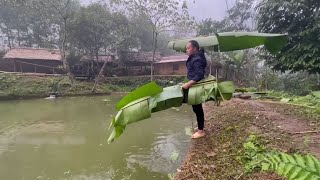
(301, 167)
(292, 166)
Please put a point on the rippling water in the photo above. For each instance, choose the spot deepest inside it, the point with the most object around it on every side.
(66, 139)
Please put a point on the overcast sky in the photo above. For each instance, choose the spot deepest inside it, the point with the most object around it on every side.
(202, 9)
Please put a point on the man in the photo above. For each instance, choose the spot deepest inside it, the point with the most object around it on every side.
(196, 65)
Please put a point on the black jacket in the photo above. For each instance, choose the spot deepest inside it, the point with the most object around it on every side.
(196, 65)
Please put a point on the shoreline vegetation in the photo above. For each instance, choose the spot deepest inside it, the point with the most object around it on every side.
(19, 86)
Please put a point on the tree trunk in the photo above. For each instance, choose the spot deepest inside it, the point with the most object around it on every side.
(155, 42)
(238, 77)
(64, 59)
(12, 42)
(210, 69)
(28, 40)
(9, 38)
(19, 41)
(217, 74)
(98, 77)
(65, 63)
(226, 72)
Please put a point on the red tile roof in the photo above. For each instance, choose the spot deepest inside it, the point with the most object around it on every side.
(33, 53)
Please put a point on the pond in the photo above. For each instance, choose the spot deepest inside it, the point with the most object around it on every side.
(66, 138)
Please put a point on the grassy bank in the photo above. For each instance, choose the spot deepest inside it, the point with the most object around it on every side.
(222, 153)
(18, 86)
(23, 87)
(126, 84)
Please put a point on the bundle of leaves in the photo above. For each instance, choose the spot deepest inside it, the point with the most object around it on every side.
(150, 98)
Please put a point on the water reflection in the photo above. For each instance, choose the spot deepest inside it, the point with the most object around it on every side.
(158, 157)
(66, 139)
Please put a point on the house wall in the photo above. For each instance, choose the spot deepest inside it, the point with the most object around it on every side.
(172, 68)
(6, 65)
(168, 69)
(9, 65)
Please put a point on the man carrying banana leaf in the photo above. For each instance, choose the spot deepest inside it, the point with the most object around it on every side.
(196, 65)
(150, 98)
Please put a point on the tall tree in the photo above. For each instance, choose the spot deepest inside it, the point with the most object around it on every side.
(28, 23)
(301, 20)
(97, 31)
(162, 15)
(11, 14)
(241, 16)
(235, 65)
(142, 33)
(65, 9)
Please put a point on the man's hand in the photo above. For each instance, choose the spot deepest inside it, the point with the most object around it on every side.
(188, 84)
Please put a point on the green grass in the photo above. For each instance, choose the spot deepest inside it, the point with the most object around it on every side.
(15, 87)
(311, 100)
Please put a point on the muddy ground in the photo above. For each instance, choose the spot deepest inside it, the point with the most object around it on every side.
(284, 127)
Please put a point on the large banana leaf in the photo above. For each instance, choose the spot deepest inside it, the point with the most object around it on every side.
(225, 90)
(210, 90)
(140, 109)
(200, 93)
(133, 112)
(149, 89)
(231, 41)
(170, 97)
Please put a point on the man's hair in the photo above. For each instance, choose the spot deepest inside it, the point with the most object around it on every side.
(195, 44)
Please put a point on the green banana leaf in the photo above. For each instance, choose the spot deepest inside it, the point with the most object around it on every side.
(226, 90)
(180, 45)
(200, 93)
(210, 90)
(135, 111)
(170, 97)
(116, 132)
(231, 41)
(140, 109)
(149, 89)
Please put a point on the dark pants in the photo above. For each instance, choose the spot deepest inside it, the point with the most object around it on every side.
(197, 109)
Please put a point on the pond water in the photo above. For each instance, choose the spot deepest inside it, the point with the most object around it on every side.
(66, 138)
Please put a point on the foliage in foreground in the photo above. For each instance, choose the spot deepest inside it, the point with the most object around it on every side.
(303, 167)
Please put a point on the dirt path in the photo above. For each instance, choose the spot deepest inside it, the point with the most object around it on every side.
(288, 128)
